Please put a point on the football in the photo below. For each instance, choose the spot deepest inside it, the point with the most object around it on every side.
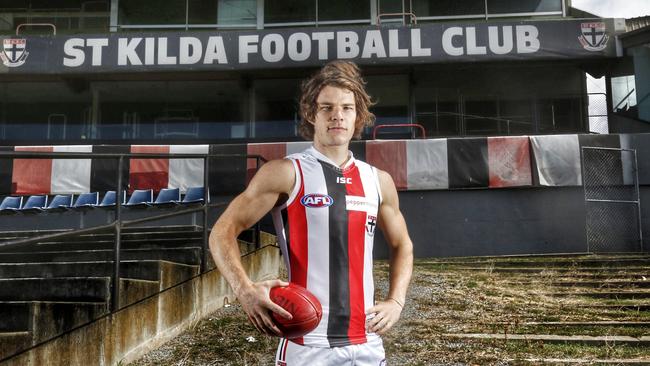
(303, 306)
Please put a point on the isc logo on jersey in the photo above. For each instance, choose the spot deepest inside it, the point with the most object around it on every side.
(316, 200)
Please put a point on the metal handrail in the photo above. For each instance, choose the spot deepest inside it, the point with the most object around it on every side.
(37, 24)
(419, 126)
(117, 223)
(414, 19)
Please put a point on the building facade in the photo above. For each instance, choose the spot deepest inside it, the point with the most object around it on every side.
(222, 71)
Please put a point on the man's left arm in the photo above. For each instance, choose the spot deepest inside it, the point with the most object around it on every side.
(393, 226)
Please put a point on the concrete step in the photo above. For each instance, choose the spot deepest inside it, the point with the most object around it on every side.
(169, 242)
(71, 289)
(144, 270)
(132, 291)
(187, 255)
(551, 338)
(605, 294)
(592, 284)
(127, 231)
(12, 342)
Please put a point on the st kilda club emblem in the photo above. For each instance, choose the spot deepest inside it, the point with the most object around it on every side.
(593, 37)
(371, 224)
(14, 52)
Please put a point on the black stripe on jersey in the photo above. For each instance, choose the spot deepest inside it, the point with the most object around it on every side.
(339, 316)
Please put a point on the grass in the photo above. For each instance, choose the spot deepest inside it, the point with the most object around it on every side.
(446, 298)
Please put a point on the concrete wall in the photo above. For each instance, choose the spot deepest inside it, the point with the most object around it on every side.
(131, 332)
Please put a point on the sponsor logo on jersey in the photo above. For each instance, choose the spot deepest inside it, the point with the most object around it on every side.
(316, 200)
(361, 203)
(344, 180)
(14, 52)
(593, 37)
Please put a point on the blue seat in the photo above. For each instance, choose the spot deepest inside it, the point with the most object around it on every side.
(194, 194)
(168, 195)
(35, 203)
(11, 203)
(87, 200)
(109, 199)
(140, 197)
(60, 201)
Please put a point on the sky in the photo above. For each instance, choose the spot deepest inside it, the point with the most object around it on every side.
(614, 8)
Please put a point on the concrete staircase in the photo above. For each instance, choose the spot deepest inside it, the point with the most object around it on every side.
(52, 287)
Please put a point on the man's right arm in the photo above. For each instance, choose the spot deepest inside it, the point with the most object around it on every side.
(274, 179)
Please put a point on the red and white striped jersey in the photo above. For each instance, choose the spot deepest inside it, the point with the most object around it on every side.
(332, 215)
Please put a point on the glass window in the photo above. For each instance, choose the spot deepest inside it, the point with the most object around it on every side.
(390, 6)
(63, 111)
(139, 12)
(425, 8)
(391, 95)
(237, 12)
(623, 93)
(289, 11)
(523, 6)
(69, 16)
(342, 10)
(223, 12)
(516, 117)
(438, 110)
(276, 108)
(481, 116)
(171, 110)
(560, 115)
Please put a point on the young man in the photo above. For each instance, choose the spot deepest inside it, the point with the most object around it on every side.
(333, 204)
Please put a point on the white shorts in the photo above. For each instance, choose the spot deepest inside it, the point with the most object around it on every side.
(370, 353)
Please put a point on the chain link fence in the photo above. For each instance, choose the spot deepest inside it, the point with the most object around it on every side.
(612, 203)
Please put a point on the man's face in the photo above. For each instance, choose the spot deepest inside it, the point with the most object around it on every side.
(335, 117)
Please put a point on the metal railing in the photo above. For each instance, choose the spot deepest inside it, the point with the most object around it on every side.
(36, 24)
(117, 224)
(398, 125)
(411, 16)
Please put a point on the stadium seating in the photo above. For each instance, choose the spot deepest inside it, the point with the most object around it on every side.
(11, 203)
(140, 197)
(60, 201)
(168, 196)
(194, 194)
(87, 200)
(109, 199)
(35, 203)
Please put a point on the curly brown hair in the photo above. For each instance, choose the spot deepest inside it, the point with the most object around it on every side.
(340, 74)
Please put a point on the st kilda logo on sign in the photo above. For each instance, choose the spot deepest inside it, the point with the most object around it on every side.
(593, 37)
(14, 52)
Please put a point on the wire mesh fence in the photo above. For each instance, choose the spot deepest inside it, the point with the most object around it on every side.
(612, 202)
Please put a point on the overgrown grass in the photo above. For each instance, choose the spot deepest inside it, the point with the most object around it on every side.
(445, 298)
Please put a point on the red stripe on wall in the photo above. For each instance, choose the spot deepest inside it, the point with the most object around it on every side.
(298, 245)
(509, 162)
(149, 173)
(32, 176)
(267, 151)
(356, 247)
(389, 156)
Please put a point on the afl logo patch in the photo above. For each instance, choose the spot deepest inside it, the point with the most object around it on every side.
(316, 200)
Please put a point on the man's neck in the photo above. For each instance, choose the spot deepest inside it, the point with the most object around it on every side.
(337, 154)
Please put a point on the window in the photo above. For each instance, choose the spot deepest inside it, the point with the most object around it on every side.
(69, 16)
(171, 110)
(426, 8)
(523, 6)
(391, 93)
(62, 113)
(276, 108)
(139, 12)
(333, 10)
(289, 11)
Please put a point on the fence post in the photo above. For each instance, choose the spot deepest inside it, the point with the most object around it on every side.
(206, 196)
(115, 295)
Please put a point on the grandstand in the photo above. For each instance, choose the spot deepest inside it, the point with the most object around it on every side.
(126, 126)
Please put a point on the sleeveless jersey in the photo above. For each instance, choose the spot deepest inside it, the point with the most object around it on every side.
(332, 215)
